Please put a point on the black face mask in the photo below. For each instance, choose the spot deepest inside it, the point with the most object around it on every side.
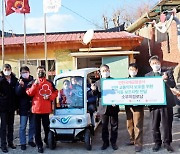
(41, 74)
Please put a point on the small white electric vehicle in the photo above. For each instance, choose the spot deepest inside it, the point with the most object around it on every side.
(71, 120)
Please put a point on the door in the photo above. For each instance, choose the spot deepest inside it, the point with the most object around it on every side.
(118, 65)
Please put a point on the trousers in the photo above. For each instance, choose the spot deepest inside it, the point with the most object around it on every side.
(114, 128)
(164, 116)
(44, 119)
(135, 118)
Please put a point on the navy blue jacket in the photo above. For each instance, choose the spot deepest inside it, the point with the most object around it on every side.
(25, 101)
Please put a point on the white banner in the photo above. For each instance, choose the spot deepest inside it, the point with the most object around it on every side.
(133, 91)
(51, 6)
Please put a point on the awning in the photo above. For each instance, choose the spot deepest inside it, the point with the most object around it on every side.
(102, 54)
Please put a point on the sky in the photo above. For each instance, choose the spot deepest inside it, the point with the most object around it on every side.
(74, 15)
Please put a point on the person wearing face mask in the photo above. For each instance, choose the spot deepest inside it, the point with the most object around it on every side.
(176, 92)
(8, 105)
(108, 114)
(65, 94)
(43, 92)
(162, 113)
(25, 103)
(135, 117)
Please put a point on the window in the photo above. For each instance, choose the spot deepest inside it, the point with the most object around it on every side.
(51, 66)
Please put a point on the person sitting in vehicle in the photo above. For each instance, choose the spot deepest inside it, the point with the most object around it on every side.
(77, 91)
(91, 100)
(64, 94)
(76, 82)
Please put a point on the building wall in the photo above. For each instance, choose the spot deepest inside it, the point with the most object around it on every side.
(13, 55)
(159, 44)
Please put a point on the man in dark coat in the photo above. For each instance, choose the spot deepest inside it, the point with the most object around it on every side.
(109, 113)
(162, 113)
(25, 103)
(8, 104)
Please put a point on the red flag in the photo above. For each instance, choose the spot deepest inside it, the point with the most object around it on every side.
(18, 6)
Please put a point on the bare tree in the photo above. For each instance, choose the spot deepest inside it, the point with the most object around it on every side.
(115, 17)
(121, 15)
(127, 18)
(145, 7)
(106, 22)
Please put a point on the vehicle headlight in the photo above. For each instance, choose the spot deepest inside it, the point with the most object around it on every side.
(53, 121)
(79, 120)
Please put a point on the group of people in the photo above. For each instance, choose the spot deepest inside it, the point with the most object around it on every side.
(71, 93)
(160, 114)
(32, 98)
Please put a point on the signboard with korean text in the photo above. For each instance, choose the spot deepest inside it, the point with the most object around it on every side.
(133, 91)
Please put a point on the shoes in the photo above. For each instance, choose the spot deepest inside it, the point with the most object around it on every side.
(156, 147)
(105, 146)
(138, 148)
(4, 149)
(23, 147)
(114, 146)
(130, 143)
(32, 144)
(40, 149)
(169, 148)
(12, 146)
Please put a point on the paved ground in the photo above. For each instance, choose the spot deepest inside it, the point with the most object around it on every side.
(78, 148)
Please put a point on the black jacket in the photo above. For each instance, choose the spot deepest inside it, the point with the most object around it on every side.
(25, 101)
(170, 83)
(8, 98)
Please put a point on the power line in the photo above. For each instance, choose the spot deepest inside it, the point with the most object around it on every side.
(82, 17)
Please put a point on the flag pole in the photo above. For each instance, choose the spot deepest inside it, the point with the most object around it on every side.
(45, 46)
(2, 45)
(25, 51)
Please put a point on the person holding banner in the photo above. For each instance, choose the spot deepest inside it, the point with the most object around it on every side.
(108, 113)
(176, 92)
(162, 113)
(135, 117)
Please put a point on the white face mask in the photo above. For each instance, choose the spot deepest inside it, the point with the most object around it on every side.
(156, 67)
(73, 82)
(132, 73)
(65, 87)
(105, 74)
(25, 75)
(7, 73)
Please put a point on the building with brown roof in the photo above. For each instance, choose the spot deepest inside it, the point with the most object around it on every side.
(65, 50)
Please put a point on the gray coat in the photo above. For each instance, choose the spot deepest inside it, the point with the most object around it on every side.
(105, 109)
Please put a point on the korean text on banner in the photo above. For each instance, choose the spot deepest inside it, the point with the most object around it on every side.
(51, 6)
(133, 91)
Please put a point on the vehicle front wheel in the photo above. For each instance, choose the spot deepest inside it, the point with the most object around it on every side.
(88, 139)
(51, 140)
